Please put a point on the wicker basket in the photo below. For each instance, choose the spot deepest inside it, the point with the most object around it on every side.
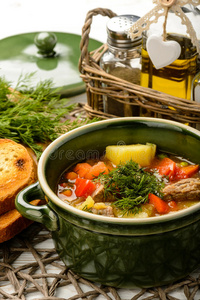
(100, 84)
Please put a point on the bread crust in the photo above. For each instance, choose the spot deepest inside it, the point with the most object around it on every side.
(12, 222)
(17, 170)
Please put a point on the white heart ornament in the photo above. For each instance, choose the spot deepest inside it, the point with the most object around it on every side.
(162, 53)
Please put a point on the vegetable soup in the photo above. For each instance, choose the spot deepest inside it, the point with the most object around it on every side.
(136, 181)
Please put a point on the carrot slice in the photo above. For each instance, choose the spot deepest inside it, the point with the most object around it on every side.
(71, 175)
(67, 193)
(160, 205)
(96, 170)
(82, 168)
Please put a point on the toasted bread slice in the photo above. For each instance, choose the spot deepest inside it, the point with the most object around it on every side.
(12, 223)
(17, 170)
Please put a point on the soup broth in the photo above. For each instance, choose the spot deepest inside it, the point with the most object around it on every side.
(168, 184)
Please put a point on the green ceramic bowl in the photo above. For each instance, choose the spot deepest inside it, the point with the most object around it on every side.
(114, 251)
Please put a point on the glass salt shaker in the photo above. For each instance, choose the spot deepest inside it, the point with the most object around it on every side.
(123, 60)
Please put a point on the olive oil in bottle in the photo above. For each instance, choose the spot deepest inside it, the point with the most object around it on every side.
(176, 78)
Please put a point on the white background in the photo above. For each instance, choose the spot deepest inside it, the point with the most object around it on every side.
(20, 16)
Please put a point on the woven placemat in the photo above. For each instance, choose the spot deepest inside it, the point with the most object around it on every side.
(44, 276)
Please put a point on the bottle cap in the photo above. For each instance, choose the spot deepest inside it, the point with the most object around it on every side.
(117, 28)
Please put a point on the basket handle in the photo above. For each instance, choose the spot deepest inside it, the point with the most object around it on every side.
(86, 30)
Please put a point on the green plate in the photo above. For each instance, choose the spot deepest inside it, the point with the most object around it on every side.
(19, 55)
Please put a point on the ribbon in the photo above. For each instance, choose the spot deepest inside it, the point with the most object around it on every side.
(161, 9)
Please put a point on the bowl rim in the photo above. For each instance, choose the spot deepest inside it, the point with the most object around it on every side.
(100, 218)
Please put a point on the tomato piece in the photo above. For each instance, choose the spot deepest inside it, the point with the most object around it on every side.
(167, 167)
(64, 184)
(160, 205)
(84, 187)
(96, 170)
(186, 172)
(173, 205)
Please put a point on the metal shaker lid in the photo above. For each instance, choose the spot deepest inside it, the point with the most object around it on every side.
(117, 31)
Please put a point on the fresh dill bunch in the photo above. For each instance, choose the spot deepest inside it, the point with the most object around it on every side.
(130, 186)
(34, 115)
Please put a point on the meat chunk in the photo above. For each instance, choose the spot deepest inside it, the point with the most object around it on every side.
(108, 211)
(185, 189)
(98, 194)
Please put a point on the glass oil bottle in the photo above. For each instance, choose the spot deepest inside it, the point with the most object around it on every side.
(176, 78)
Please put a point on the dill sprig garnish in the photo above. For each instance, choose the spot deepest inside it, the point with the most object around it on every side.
(34, 115)
(130, 186)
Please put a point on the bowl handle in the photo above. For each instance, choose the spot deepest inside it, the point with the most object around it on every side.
(42, 214)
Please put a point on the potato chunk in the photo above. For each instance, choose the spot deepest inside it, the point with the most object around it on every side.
(141, 154)
(87, 204)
